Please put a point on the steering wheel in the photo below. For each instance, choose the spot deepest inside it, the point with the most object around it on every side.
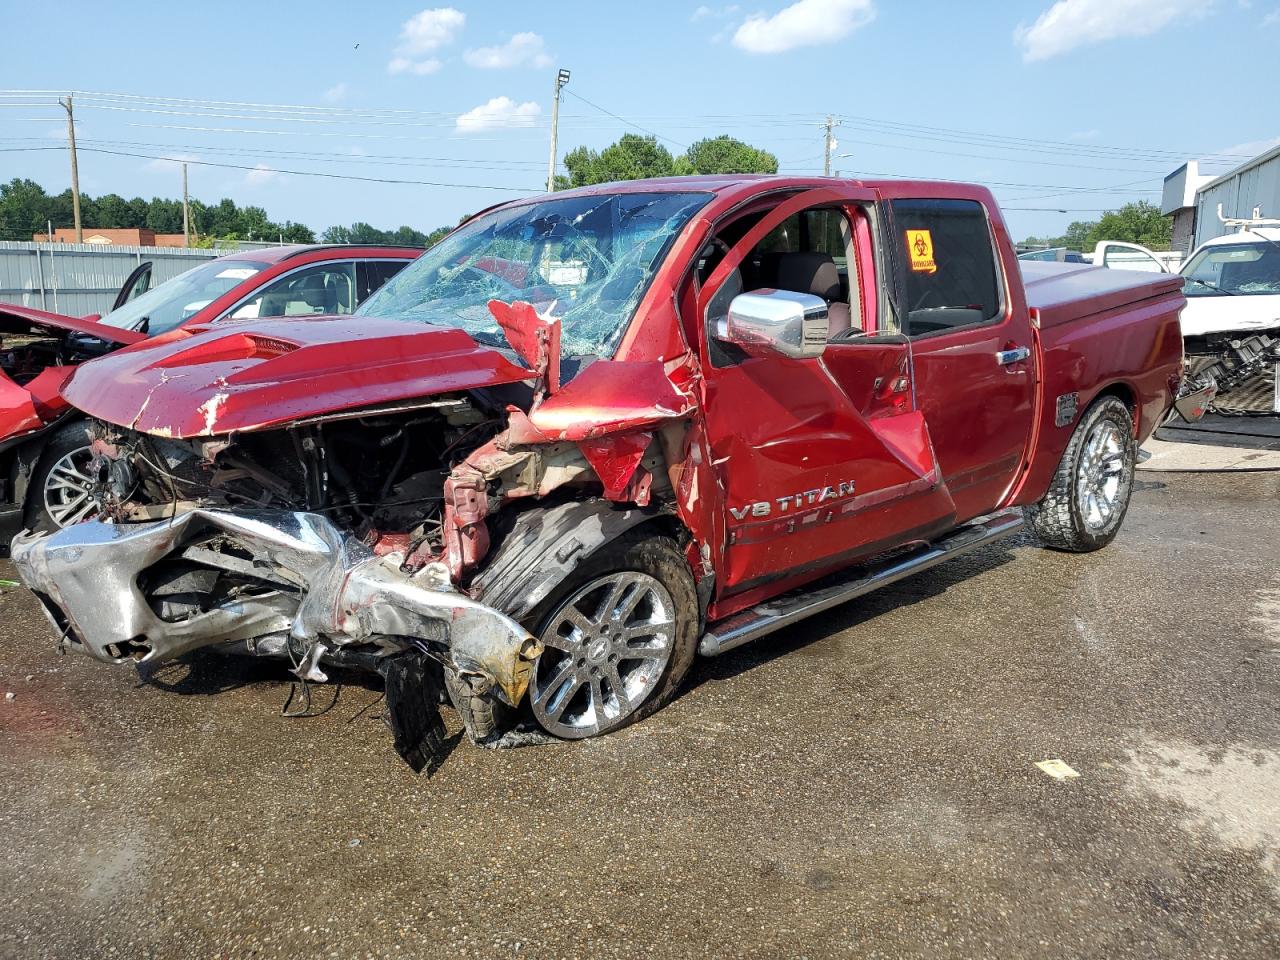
(709, 266)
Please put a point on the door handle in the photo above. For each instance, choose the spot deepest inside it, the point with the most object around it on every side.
(1012, 355)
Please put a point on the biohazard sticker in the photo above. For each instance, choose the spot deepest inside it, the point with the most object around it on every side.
(920, 250)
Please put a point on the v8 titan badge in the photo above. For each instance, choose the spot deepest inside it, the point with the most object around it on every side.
(920, 250)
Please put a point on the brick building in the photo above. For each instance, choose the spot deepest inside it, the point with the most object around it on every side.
(130, 237)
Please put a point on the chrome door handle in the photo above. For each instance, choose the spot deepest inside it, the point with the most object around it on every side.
(1016, 355)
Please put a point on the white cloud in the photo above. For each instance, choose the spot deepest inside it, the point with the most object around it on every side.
(1091, 134)
(713, 13)
(336, 93)
(1076, 23)
(423, 34)
(260, 176)
(805, 23)
(167, 164)
(1272, 18)
(522, 50)
(1250, 148)
(499, 112)
(419, 68)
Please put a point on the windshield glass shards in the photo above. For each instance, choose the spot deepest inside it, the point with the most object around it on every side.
(586, 261)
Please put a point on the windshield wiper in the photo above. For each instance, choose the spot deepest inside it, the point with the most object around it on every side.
(1205, 283)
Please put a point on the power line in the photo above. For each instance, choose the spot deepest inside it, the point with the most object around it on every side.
(626, 121)
(261, 168)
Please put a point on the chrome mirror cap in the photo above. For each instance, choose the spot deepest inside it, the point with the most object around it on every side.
(778, 323)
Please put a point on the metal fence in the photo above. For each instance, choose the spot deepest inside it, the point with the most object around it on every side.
(82, 278)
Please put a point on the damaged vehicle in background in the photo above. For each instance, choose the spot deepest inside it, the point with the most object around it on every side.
(1231, 324)
(591, 435)
(44, 444)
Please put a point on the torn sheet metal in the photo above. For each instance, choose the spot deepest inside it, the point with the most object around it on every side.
(88, 578)
(615, 460)
(535, 338)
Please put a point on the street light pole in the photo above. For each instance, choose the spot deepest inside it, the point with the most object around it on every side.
(562, 77)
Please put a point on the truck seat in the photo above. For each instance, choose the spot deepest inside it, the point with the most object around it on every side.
(816, 273)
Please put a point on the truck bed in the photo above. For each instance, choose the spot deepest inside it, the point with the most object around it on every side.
(1061, 292)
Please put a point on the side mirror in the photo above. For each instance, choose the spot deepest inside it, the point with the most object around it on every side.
(776, 323)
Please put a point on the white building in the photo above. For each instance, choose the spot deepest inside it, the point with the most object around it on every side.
(1192, 199)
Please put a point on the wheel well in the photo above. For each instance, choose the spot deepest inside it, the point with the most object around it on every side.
(1124, 393)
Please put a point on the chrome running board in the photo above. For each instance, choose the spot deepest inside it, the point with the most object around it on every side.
(790, 608)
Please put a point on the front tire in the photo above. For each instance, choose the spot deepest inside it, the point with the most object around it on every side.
(619, 636)
(59, 493)
(1089, 496)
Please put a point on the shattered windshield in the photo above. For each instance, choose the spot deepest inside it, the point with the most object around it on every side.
(584, 260)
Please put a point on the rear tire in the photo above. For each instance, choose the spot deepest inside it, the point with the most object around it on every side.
(1089, 496)
(619, 634)
(58, 494)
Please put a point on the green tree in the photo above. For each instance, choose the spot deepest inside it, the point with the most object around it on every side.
(24, 209)
(1137, 222)
(113, 212)
(724, 154)
(404, 236)
(298, 233)
(632, 158)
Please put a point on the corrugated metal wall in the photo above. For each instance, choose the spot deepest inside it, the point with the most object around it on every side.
(81, 278)
(1256, 186)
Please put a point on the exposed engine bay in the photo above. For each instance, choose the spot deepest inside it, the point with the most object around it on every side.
(1221, 363)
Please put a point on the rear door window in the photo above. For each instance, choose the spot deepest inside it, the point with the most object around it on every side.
(374, 273)
(948, 265)
(323, 289)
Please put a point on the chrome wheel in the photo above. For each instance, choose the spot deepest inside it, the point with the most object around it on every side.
(1102, 476)
(68, 496)
(605, 650)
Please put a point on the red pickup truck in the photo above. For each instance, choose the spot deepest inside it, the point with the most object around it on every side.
(593, 434)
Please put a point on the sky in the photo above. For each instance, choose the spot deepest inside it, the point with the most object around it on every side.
(1074, 105)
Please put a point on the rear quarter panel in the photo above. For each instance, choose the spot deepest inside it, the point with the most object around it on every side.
(1100, 345)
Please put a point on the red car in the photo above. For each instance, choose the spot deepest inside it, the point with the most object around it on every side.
(591, 435)
(44, 445)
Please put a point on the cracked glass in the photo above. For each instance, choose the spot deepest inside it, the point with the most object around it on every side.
(584, 260)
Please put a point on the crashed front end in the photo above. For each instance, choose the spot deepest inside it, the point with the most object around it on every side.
(398, 490)
(413, 539)
(270, 583)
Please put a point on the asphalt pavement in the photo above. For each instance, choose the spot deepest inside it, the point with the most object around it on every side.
(862, 785)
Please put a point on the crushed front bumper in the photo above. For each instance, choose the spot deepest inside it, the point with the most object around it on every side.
(320, 590)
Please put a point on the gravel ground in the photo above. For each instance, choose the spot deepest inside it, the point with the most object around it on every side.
(863, 785)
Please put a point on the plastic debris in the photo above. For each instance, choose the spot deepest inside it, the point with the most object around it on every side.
(1058, 769)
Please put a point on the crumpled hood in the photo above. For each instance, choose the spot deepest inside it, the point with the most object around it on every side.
(19, 319)
(204, 381)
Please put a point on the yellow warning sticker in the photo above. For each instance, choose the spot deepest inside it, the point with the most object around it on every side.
(920, 250)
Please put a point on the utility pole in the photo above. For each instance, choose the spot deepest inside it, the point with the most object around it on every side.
(562, 77)
(75, 170)
(186, 210)
(828, 144)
